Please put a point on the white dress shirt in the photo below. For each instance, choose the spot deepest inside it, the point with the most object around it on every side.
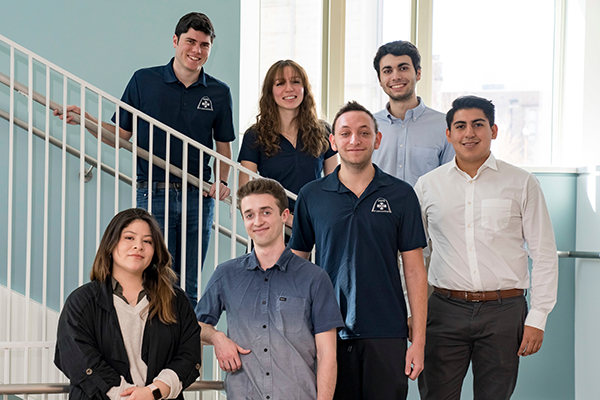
(483, 228)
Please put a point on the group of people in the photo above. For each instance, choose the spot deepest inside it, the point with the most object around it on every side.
(375, 192)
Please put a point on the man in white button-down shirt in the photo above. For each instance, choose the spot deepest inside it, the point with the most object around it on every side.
(484, 218)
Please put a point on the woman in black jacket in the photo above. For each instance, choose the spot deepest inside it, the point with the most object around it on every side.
(130, 331)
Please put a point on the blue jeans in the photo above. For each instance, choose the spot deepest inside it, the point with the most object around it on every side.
(175, 223)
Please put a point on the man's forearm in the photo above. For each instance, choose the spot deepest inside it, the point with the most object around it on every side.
(416, 285)
(224, 149)
(326, 364)
(207, 332)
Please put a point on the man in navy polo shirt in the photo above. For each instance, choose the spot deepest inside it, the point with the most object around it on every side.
(282, 314)
(360, 218)
(184, 97)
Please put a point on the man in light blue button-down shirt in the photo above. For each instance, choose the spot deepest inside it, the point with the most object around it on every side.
(413, 135)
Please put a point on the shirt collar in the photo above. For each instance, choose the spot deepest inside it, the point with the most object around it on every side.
(170, 77)
(281, 264)
(413, 113)
(490, 163)
(332, 181)
(118, 290)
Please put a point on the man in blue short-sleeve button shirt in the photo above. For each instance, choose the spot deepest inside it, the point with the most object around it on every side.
(360, 219)
(282, 314)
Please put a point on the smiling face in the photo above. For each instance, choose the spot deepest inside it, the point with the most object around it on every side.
(355, 139)
(398, 77)
(471, 136)
(192, 50)
(288, 90)
(263, 220)
(134, 251)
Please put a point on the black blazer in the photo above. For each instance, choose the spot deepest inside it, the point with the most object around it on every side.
(90, 349)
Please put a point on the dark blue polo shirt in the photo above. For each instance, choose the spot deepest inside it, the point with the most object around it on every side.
(202, 111)
(275, 313)
(357, 244)
(291, 166)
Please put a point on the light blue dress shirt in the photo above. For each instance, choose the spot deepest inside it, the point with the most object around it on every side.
(414, 146)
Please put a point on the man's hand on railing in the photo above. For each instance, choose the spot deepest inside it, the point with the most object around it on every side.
(223, 191)
(71, 109)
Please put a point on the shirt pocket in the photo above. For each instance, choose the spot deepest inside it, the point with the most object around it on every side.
(423, 160)
(495, 214)
(289, 313)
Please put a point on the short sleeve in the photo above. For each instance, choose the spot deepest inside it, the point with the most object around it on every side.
(303, 234)
(250, 150)
(410, 231)
(223, 130)
(211, 305)
(130, 96)
(326, 313)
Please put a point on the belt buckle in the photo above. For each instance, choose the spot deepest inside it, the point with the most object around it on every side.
(474, 299)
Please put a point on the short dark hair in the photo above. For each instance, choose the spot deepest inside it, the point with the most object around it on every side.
(398, 48)
(353, 106)
(198, 22)
(467, 102)
(264, 186)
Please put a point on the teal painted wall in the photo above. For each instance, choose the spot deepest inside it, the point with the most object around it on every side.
(102, 43)
(550, 374)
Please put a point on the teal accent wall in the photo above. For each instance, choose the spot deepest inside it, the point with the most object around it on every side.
(550, 374)
(102, 43)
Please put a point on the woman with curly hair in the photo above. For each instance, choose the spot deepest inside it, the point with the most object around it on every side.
(288, 142)
(130, 331)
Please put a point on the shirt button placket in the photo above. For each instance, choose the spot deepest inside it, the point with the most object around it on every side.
(266, 356)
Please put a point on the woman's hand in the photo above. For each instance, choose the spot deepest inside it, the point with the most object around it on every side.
(137, 393)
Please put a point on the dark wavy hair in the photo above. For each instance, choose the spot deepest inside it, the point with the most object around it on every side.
(313, 132)
(397, 48)
(159, 277)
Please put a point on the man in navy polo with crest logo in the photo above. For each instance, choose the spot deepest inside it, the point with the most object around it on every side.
(360, 219)
(183, 96)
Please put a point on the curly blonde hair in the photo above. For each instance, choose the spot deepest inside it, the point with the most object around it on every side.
(313, 132)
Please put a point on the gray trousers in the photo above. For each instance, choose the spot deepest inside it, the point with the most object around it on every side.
(488, 334)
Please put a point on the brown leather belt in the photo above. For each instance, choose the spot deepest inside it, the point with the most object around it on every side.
(476, 297)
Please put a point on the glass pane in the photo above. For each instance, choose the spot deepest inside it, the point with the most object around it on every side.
(369, 24)
(292, 29)
(508, 60)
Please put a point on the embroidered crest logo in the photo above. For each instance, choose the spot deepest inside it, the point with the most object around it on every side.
(381, 206)
(205, 104)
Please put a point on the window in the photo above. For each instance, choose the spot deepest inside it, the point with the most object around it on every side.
(369, 24)
(505, 58)
(274, 30)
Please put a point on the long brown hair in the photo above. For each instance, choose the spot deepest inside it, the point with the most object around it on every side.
(313, 132)
(159, 277)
